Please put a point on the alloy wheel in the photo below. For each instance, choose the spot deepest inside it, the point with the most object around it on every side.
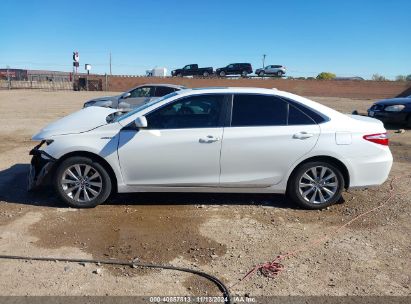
(81, 182)
(318, 185)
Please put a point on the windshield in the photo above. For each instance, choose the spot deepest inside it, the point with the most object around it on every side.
(144, 106)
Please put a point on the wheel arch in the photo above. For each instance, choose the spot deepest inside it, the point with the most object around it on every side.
(332, 160)
(95, 157)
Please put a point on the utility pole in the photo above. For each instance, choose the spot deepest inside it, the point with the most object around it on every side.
(110, 64)
(8, 78)
(264, 60)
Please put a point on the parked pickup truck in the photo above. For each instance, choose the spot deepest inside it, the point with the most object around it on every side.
(192, 70)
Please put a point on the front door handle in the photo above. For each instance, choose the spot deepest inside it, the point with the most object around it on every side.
(302, 135)
(208, 139)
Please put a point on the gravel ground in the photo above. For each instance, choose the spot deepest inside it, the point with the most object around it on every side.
(225, 235)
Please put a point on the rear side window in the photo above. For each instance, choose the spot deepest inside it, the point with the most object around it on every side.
(297, 117)
(316, 116)
(258, 110)
(161, 91)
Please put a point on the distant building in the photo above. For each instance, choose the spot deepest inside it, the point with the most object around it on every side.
(13, 74)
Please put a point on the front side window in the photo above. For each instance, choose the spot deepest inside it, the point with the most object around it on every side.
(202, 111)
(141, 92)
(231, 66)
(258, 110)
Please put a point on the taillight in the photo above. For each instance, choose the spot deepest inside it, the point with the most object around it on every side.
(380, 138)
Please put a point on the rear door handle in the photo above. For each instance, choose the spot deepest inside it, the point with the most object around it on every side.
(208, 139)
(302, 135)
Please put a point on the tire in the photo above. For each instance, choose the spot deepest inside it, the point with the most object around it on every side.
(244, 73)
(279, 73)
(261, 74)
(179, 75)
(222, 74)
(205, 74)
(89, 181)
(326, 191)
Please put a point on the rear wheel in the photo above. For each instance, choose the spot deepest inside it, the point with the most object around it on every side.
(244, 73)
(205, 74)
(316, 185)
(82, 182)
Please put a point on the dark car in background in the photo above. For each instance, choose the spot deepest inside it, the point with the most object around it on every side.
(134, 97)
(394, 110)
(192, 70)
(242, 69)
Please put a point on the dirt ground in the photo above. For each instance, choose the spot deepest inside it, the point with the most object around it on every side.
(222, 234)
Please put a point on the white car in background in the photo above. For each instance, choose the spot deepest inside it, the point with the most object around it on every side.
(134, 97)
(278, 70)
(212, 140)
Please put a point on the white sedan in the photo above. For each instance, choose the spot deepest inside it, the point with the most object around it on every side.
(212, 140)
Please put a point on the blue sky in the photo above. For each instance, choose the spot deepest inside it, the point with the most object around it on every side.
(351, 37)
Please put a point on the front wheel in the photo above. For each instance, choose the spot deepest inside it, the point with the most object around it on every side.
(261, 74)
(316, 185)
(205, 74)
(244, 73)
(222, 74)
(82, 182)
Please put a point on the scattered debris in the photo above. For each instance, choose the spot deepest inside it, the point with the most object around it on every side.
(97, 271)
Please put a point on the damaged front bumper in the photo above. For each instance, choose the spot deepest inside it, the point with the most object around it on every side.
(41, 165)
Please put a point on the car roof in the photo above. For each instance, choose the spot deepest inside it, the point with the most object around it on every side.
(168, 85)
(234, 90)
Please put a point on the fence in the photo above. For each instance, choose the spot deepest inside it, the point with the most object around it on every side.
(36, 84)
(326, 88)
(54, 82)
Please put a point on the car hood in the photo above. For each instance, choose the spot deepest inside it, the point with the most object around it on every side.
(394, 101)
(78, 122)
(105, 98)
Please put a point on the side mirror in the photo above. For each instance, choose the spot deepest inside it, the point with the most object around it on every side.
(126, 95)
(141, 122)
